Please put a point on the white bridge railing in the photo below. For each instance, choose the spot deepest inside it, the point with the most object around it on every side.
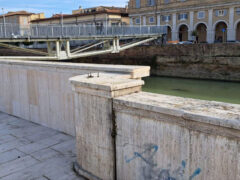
(15, 31)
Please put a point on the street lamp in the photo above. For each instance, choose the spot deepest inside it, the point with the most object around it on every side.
(4, 23)
(62, 22)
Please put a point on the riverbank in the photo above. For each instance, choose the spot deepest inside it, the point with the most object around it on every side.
(192, 88)
(199, 61)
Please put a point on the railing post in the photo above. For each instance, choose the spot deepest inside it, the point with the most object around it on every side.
(37, 31)
(52, 31)
(4, 26)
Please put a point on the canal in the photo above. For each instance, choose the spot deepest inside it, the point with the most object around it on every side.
(198, 89)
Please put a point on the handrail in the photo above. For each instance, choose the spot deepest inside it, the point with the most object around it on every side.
(15, 31)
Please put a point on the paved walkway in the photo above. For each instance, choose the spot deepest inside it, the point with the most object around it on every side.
(29, 151)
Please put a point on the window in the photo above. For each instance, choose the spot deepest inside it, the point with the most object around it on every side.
(151, 19)
(238, 11)
(25, 20)
(151, 2)
(201, 15)
(137, 20)
(220, 13)
(138, 3)
(115, 24)
(166, 1)
(166, 18)
(183, 16)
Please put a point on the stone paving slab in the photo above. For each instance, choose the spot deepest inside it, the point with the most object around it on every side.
(29, 151)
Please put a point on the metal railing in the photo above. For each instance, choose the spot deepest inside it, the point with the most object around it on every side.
(75, 31)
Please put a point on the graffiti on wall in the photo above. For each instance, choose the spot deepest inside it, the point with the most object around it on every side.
(150, 170)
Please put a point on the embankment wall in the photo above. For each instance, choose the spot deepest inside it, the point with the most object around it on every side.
(200, 61)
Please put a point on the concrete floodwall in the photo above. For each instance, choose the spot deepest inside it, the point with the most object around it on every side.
(40, 91)
(147, 136)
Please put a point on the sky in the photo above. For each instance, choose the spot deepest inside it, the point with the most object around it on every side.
(50, 7)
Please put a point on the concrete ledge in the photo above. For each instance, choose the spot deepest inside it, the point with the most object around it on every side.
(210, 112)
(134, 71)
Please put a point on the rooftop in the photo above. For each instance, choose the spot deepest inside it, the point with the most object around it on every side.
(88, 11)
(30, 151)
(17, 13)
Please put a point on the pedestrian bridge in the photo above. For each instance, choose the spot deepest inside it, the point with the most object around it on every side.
(102, 39)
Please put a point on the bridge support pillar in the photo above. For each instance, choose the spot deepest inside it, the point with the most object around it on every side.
(58, 49)
(67, 49)
(50, 49)
(116, 46)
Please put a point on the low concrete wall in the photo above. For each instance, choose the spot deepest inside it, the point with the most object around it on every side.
(137, 135)
(166, 137)
(40, 91)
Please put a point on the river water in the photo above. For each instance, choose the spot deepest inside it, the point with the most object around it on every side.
(197, 89)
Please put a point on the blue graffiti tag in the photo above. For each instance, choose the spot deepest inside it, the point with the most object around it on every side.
(140, 155)
(151, 171)
(196, 172)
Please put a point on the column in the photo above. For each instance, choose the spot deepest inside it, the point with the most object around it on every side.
(159, 20)
(231, 32)
(144, 21)
(174, 27)
(210, 29)
(191, 26)
(95, 122)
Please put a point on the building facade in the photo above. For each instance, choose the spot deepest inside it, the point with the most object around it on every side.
(20, 17)
(102, 16)
(210, 20)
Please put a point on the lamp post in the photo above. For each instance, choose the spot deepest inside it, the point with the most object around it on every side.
(4, 23)
(62, 23)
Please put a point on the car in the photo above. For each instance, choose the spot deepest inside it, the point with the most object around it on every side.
(185, 42)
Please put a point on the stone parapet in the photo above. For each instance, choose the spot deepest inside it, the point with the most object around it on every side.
(167, 137)
(95, 124)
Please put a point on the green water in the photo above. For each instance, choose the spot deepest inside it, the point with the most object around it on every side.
(198, 89)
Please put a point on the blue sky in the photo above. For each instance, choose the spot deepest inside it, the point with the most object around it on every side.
(50, 7)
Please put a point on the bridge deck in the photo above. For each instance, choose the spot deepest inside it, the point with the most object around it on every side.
(30, 151)
(16, 32)
(72, 38)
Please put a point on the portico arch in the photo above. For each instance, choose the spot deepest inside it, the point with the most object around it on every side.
(183, 32)
(169, 33)
(237, 28)
(220, 29)
(201, 29)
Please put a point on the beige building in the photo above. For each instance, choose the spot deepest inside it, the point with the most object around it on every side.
(20, 17)
(212, 20)
(104, 16)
